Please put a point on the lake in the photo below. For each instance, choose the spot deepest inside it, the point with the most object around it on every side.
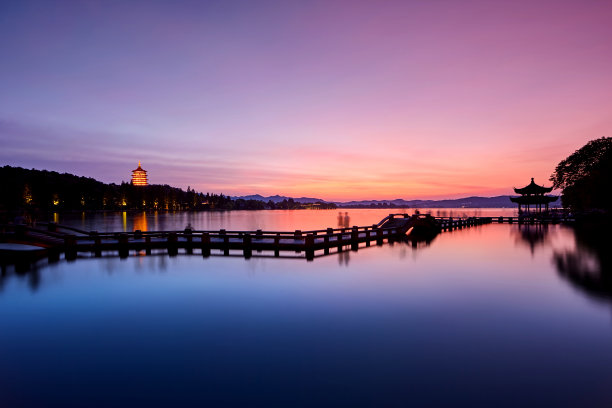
(495, 315)
(271, 220)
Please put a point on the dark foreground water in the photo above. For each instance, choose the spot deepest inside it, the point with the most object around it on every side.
(490, 316)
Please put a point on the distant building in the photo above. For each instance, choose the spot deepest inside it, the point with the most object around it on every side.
(139, 176)
(533, 195)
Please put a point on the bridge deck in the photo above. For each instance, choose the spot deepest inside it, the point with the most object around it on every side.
(56, 239)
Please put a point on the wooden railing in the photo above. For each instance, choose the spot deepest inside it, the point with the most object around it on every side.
(308, 241)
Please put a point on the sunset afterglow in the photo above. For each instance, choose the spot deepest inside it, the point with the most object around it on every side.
(335, 100)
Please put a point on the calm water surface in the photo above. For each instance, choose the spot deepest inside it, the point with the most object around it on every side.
(271, 220)
(496, 315)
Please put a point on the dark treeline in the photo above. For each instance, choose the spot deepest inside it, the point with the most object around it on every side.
(48, 190)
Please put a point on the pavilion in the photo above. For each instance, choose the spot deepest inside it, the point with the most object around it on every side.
(533, 195)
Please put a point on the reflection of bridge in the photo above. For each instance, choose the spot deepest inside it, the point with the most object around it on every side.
(55, 239)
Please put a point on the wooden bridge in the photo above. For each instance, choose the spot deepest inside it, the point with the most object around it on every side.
(49, 239)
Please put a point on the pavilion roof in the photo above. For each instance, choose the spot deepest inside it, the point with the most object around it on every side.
(533, 189)
(139, 168)
(534, 199)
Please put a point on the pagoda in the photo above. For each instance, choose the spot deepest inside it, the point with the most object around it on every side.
(533, 195)
(139, 176)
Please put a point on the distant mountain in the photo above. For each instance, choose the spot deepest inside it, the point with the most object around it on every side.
(467, 202)
(277, 199)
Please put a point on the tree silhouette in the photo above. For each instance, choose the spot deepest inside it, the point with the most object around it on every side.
(586, 177)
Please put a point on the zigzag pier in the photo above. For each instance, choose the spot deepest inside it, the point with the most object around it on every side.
(20, 242)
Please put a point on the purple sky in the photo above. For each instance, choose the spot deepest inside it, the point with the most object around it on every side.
(333, 99)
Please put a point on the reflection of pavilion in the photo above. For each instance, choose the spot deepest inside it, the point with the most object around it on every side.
(533, 235)
(533, 194)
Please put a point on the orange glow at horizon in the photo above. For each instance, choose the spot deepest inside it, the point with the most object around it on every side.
(400, 173)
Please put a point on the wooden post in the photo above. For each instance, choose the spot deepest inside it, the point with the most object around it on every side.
(148, 245)
(355, 238)
(298, 236)
(379, 236)
(309, 245)
(172, 244)
(70, 247)
(225, 244)
(277, 245)
(138, 234)
(124, 250)
(246, 243)
(500, 220)
(326, 243)
(368, 235)
(205, 244)
(188, 233)
(53, 255)
(97, 246)
(450, 223)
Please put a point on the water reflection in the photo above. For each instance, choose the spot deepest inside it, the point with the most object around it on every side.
(270, 220)
(533, 236)
(28, 271)
(140, 222)
(589, 265)
(473, 311)
(159, 259)
(343, 258)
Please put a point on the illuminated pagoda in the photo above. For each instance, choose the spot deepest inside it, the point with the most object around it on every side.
(139, 176)
(533, 195)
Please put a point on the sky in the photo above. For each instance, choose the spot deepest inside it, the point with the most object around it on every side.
(339, 100)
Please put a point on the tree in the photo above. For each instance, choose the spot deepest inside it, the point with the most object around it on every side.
(586, 177)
